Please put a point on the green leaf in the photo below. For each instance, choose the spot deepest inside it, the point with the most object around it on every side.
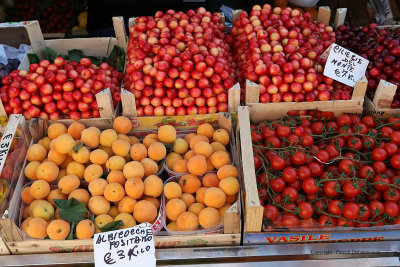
(75, 55)
(71, 231)
(60, 203)
(77, 147)
(74, 211)
(95, 60)
(112, 226)
(33, 58)
(49, 53)
(117, 58)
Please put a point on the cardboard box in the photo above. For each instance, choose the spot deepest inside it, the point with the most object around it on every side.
(17, 242)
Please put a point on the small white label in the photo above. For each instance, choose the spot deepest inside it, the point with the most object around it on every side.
(345, 66)
(125, 247)
(8, 136)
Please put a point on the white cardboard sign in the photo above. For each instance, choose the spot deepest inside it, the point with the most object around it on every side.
(345, 66)
(125, 247)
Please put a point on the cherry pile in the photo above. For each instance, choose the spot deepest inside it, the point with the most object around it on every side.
(280, 50)
(381, 47)
(316, 173)
(179, 63)
(59, 89)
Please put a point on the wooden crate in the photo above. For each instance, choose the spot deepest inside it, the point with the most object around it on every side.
(253, 211)
(383, 98)
(261, 111)
(129, 107)
(101, 46)
(18, 243)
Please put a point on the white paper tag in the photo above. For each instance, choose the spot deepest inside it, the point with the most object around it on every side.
(125, 247)
(345, 66)
(8, 136)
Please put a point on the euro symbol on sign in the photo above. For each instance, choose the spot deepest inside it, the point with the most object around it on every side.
(108, 259)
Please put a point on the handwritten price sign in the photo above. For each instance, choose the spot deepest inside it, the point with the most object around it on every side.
(126, 247)
(344, 66)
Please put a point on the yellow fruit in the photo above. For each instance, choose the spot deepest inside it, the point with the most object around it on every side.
(45, 142)
(145, 211)
(108, 150)
(96, 187)
(227, 171)
(99, 205)
(206, 129)
(37, 228)
(172, 190)
(126, 205)
(229, 185)
(214, 197)
(31, 169)
(75, 130)
(187, 221)
(47, 171)
(75, 168)
(82, 155)
(188, 199)
(134, 187)
(197, 139)
(149, 139)
(138, 152)
(69, 183)
(196, 208)
(172, 226)
(122, 125)
(222, 136)
(113, 212)
(209, 217)
(43, 210)
(153, 186)
(55, 194)
(157, 151)
(98, 156)
(91, 137)
(174, 208)
(153, 200)
(39, 189)
(115, 163)
(220, 158)
(203, 148)
(133, 169)
(217, 146)
(180, 146)
(167, 134)
(171, 159)
(180, 166)
(197, 165)
(56, 129)
(56, 157)
(114, 192)
(121, 147)
(36, 152)
(116, 177)
(150, 166)
(85, 229)
(92, 172)
(26, 196)
(64, 143)
(107, 137)
(58, 229)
